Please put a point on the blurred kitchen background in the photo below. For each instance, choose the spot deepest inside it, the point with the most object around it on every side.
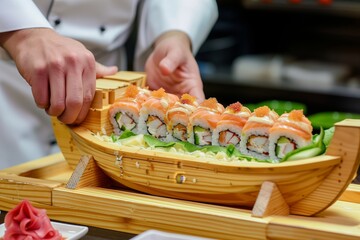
(289, 53)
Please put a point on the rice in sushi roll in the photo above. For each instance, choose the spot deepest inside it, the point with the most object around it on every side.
(203, 121)
(177, 118)
(228, 129)
(291, 131)
(153, 112)
(124, 112)
(255, 133)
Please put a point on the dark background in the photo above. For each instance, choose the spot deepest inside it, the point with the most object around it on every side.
(305, 31)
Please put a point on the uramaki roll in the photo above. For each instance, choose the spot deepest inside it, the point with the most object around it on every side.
(177, 117)
(153, 112)
(203, 122)
(255, 133)
(291, 131)
(228, 129)
(124, 112)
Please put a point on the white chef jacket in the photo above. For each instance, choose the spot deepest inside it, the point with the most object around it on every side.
(103, 27)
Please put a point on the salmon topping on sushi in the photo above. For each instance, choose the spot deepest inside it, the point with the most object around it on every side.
(188, 99)
(160, 93)
(131, 91)
(234, 107)
(136, 93)
(177, 117)
(262, 111)
(296, 115)
(229, 127)
(212, 104)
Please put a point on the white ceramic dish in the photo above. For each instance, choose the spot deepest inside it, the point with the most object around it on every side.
(68, 231)
(159, 235)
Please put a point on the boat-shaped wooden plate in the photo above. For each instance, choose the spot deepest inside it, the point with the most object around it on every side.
(302, 187)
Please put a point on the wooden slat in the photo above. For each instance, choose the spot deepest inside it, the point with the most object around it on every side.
(163, 213)
(17, 187)
(352, 194)
(48, 166)
(341, 222)
(138, 78)
(87, 173)
(107, 84)
(270, 202)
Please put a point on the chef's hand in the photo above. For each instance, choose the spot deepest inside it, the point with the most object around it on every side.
(60, 71)
(172, 66)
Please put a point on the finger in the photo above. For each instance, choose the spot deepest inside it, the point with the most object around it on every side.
(89, 87)
(170, 62)
(74, 96)
(40, 87)
(198, 93)
(57, 86)
(102, 70)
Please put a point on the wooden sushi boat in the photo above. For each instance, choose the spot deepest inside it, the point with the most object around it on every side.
(303, 187)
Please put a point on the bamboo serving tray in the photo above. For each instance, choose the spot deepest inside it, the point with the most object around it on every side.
(132, 190)
(100, 204)
(304, 187)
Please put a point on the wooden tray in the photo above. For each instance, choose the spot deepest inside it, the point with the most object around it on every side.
(43, 182)
(305, 187)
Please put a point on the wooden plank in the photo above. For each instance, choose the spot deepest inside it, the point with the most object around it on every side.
(138, 78)
(162, 213)
(341, 222)
(87, 173)
(107, 84)
(17, 187)
(41, 168)
(270, 202)
(352, 194)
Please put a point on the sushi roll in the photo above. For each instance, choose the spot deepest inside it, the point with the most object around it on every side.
(203, 121)
(177, 118)
(228, 129)
(255, 133)
(153, 113)
(291, 131)
(124, 112)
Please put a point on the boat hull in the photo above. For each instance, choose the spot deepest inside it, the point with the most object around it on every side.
(205, 180)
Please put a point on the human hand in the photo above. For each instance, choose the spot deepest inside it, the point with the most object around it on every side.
(172, 66)
(61, 71)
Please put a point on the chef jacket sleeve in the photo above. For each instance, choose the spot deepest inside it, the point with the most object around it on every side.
(194, 17)
(20, 14)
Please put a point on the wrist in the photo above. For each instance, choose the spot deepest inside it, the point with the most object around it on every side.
(176, 35)
(13, 41)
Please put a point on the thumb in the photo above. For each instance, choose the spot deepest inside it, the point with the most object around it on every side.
(102, 70)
